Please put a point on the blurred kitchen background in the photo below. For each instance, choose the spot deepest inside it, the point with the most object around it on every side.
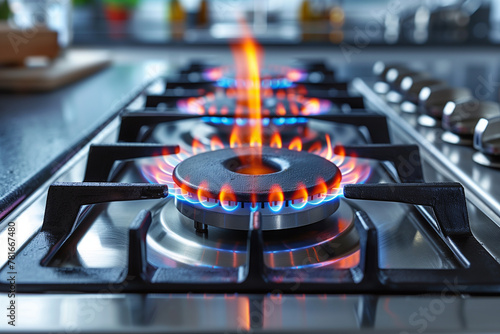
(274, 22)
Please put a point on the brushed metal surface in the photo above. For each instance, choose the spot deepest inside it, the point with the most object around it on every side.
(162, 313)
(172, 235)
(448, 162)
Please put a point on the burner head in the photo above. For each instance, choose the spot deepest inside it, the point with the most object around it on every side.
(289, 188)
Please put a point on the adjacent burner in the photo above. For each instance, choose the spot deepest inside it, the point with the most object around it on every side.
(184, 132)
(294, 105)
(330, 242)
(285, 126)
(289, 188)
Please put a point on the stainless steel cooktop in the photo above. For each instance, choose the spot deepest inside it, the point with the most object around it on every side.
(401, 252)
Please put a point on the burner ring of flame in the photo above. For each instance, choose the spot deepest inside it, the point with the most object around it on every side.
(209, 174)
(294, 188)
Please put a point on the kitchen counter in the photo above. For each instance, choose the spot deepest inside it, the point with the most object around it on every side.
(38, 132)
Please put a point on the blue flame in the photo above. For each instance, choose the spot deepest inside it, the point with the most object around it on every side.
(279, 121)
(280, 83)
(275, 207)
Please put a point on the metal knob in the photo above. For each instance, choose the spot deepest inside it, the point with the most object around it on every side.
(487, 136)
(432, 100)
(395, 76)
(487, 142)
(380, 69)
(411, 86)
(461, 117)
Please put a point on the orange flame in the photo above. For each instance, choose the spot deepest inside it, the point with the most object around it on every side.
(246, 56)
(202, 193)
(234, 139)
(294, 75)
(339, 158)
(315, 148)
(216, 143)
(280, 109)
(293, 108)
(300, 196)
(276, 196)
(248, 94)
(227, 197)
(210, 96)
(295, 144)
(212, 110)
(280, 94)
(329, 151)
(302, 90)
(198, 147)
(352, 169)
(312, 106)
(194, 104)
(276, 140)
(230, 93)
(321, 188)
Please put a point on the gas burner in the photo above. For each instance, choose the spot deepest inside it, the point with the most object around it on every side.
(332, 242)
(289, 188)
(216, 131)
(291, 101)
(285, 126)
(273, 77)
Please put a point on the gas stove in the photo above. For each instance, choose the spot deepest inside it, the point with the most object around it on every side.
(277, 200)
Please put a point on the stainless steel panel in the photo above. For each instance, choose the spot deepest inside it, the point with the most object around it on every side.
(157, 313)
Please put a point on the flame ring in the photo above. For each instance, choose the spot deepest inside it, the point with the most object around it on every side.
(209, 171)
(303, 190)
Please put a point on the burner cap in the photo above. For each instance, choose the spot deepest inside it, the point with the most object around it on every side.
(209, 172)
(289, 188)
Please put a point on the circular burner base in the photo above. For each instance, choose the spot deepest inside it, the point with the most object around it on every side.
(329, 242)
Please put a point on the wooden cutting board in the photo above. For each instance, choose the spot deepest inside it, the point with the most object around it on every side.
(16, 45)
(70, 67)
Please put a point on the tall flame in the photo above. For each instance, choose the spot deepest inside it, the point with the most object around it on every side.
(246, 55)
(248, 88)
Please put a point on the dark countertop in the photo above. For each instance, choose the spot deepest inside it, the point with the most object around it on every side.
(40, 131)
